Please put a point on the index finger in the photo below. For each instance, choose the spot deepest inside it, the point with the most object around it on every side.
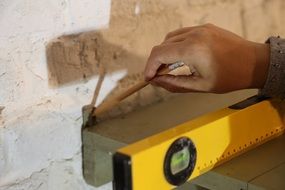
(162, 54)
(179, 32)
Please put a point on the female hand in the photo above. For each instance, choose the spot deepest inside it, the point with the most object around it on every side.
(220, 61)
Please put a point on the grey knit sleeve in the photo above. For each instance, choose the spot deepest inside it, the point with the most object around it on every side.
(275, 83)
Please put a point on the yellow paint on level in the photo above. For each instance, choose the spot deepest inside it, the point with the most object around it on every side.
(218, 137)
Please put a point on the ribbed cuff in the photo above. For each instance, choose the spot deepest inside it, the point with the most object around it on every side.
(275, 82)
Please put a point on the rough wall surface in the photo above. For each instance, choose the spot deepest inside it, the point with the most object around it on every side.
(48, 71)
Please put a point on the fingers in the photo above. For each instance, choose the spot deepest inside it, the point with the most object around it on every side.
(160, 82)
(179, 32)
(179, 84)
(168, 52)
(177, 38)
(162, 54)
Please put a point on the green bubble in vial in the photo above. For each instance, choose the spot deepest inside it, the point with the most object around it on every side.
(180, 160)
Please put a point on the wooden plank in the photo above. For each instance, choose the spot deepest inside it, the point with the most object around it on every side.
(190, 186)
(164, 115)
(247, 167)
(255, 162)
(107, 136)
(216, 181)
(97, 158)
(271, 180)
(95, 141)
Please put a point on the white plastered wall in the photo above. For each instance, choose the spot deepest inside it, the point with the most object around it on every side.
(40, 127)
(40, 139)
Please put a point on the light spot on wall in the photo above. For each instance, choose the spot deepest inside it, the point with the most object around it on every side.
(137, 8)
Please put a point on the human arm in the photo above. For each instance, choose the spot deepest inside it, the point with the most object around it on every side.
(221, 61)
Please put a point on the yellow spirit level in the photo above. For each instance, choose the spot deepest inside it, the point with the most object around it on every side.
(172, 157)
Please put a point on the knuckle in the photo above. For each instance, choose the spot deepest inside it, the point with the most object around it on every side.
(154, 53)
(168, 35)
(208, 25)
(202, 31)
(147, 76)
(154, 49)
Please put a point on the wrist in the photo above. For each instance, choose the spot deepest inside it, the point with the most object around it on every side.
(262, 60)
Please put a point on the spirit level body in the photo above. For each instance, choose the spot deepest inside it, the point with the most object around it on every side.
(218, 137)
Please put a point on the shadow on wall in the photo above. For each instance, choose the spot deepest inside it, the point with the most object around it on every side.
(123, 46)
(134, 28)
(75, 58)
